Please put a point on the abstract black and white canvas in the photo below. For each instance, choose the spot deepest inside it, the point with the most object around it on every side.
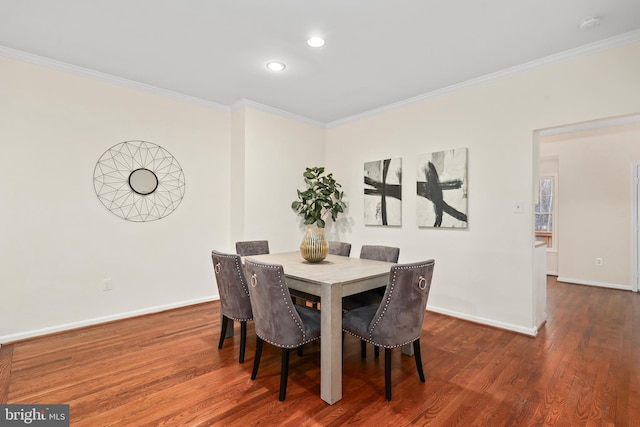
(383, 192)
(442, 189)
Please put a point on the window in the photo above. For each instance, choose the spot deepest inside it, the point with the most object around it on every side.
(544, 211)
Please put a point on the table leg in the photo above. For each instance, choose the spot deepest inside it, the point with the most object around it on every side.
(230, 327)
(407, 349)
(331, 345)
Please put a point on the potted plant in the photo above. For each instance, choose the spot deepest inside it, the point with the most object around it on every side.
(321, 198)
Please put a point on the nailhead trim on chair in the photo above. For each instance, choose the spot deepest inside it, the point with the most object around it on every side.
(384, 310)
(304, 340)
(242, 281)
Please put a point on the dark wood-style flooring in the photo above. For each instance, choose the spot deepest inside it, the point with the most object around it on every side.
(165, 369)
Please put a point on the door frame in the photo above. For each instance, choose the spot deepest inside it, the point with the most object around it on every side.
(635, 227)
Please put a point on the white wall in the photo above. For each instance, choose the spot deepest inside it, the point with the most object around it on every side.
(237, 161)
(58, 241)
(595, 203)
(277, 151)
(485, 272)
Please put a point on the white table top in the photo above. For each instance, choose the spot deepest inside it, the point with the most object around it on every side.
(334, 269)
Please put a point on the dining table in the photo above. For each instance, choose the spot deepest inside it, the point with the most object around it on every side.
(331, 279)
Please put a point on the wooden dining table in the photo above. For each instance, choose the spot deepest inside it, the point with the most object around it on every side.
(334, 278)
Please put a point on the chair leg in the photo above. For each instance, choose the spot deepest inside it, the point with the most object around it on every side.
(256, 359)
(376, 351)
(418, 357)
(363, 349)
(284, 374)
(223, 330)
(387, 373)
(243, 339)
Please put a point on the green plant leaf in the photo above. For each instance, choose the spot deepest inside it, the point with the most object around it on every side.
(322, 197)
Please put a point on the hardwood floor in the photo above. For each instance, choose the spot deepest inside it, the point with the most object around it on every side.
(165, 369)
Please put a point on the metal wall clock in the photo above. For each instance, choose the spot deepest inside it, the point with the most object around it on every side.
(139, 181)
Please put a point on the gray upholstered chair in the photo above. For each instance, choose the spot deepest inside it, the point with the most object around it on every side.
(397, 320)
(380, 253)
(277, 320)
(260, 247)
(340, 248)
(234, 295)
(374, 296)
(252, 247)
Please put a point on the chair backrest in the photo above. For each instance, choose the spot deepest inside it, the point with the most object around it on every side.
(274, 315)
(398, 320)
(252, 247)
(380, 253)
(340, 248)
(232, 285)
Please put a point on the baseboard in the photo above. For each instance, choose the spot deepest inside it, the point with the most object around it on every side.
(533, 331)
(96, 321)
(592, 283)
(104, 319)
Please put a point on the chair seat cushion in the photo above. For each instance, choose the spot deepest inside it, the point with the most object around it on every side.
(357, 321)
(311, 320)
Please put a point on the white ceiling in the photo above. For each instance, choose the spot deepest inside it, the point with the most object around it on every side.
(377, 52)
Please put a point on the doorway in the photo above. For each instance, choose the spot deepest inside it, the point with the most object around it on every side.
(598, 243)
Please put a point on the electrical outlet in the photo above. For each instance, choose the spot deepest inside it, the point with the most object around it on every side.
(107, 284)
(598, 261)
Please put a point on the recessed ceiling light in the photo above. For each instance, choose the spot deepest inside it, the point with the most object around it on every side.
(276, 65)
(315, 41)
(589, 23)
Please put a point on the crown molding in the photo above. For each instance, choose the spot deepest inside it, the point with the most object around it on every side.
(273, 110)
(630, 37)
(85, 72)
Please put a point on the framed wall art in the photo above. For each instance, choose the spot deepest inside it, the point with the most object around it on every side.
(442, 189)
(383, 192)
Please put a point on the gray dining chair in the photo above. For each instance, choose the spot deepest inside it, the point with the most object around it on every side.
(252, 247)
(398, 319)
(234, 295)
(277, 320)
(261, 247)
(373, 296)
(340, 248)
(380, 253)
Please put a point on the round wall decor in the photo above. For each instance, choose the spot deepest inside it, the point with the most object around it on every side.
(139, 181)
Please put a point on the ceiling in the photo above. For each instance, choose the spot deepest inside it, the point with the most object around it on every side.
(377, 52)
